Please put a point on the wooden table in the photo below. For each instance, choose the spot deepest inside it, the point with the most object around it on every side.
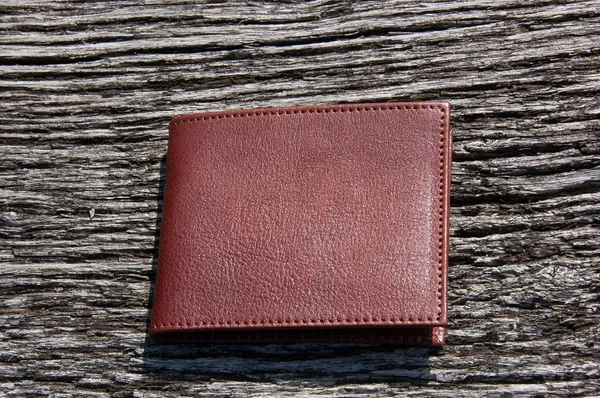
(88, 89)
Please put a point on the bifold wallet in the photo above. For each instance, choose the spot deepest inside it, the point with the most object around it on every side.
(306, 224)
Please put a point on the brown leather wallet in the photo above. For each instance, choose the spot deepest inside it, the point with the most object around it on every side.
(306, 224)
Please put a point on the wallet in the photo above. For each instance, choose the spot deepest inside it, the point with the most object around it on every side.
(312, 224)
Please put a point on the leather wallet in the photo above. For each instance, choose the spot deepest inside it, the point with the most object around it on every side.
(306, 224)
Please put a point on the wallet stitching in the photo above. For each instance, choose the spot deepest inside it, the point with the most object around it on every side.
(366, 320)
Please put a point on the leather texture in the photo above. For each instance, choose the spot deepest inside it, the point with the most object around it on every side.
(306, 224)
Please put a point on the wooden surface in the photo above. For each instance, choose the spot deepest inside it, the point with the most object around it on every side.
(87, 91)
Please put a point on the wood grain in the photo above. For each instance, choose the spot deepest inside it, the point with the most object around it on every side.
(87, 90)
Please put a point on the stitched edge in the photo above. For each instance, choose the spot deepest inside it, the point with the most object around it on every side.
(292, 111)
(299, 335)
(442, 197)
(339, 108)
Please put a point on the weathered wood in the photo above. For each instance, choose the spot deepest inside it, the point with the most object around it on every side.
(87, 91)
